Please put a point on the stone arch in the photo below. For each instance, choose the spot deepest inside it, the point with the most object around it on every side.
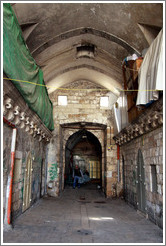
(96, 137)
(85, 31)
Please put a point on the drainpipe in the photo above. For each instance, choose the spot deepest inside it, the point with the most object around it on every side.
(46, 174)
(8, 122)
(10, 176)
(118, 161)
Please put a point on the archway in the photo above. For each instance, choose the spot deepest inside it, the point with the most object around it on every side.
(83, 149)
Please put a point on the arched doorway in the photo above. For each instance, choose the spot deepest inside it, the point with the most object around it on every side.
(83, 149)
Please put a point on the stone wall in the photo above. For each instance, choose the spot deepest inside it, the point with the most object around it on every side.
(30, 153)
(111, 167)
(25, 144)
(151, 147)
(83, 105)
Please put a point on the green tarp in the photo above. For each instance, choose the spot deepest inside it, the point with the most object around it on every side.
(19, 64)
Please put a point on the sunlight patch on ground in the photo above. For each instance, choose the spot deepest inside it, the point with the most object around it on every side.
(101, 218)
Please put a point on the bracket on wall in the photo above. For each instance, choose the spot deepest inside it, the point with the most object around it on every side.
(17, 112)
(149, 120)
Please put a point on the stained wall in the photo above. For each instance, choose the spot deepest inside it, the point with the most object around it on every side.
(151, 147)
(83, 105)
(25, 145)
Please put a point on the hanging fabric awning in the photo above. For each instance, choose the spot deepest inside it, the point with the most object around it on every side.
(21, 68)
(150, 76)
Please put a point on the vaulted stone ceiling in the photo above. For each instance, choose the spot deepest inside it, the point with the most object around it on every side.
(54, 31)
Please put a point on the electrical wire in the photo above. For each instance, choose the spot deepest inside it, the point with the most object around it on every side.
(74, 89)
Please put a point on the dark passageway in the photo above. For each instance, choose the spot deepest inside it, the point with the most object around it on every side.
(83, 149)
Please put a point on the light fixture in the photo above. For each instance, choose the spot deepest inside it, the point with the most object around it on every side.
(85, 50)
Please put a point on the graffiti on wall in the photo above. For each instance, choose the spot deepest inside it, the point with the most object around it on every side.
(53, 171)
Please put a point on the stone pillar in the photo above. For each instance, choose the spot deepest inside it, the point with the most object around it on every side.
(111, 169)
(53, 167)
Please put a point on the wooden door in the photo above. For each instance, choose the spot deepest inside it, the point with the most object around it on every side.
(27, 183)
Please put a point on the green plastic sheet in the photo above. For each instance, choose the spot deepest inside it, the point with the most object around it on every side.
(18, 64)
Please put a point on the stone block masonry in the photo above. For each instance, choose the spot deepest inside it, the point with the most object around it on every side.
(83, 105)
(25, 145)
(151, 147)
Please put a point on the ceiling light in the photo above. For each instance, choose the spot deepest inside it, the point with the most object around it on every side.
(86, 50)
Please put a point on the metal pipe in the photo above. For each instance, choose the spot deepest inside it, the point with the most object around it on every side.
(10, 176)
(118, 152)
(8, 123)
(118, 162)
(118, 171)
(46, 174)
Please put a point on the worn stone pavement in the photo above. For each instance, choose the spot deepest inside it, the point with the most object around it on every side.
(82, 216)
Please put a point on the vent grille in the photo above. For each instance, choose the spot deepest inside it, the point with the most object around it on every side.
(86, 51)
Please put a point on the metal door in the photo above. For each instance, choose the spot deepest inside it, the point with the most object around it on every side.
(27, 183)
(141, 182)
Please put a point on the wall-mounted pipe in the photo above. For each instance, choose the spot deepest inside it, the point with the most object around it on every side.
(8, 122)
(10, 176)
(118, 161)
(46, 171)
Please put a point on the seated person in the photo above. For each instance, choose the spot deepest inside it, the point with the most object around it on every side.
(77, 175)
(86, 176)
(86, 172)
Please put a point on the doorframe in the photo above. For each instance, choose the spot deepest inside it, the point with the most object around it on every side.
(141, 191)
(123, 177)
(27, 193)
(89, 127)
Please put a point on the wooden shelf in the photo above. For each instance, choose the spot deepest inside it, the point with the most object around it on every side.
(130, 75)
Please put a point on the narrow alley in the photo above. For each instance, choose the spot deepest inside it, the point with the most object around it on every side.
(83, 216)
(83, 101)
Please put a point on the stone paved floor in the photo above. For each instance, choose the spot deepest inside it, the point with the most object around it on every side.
(82, 216)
